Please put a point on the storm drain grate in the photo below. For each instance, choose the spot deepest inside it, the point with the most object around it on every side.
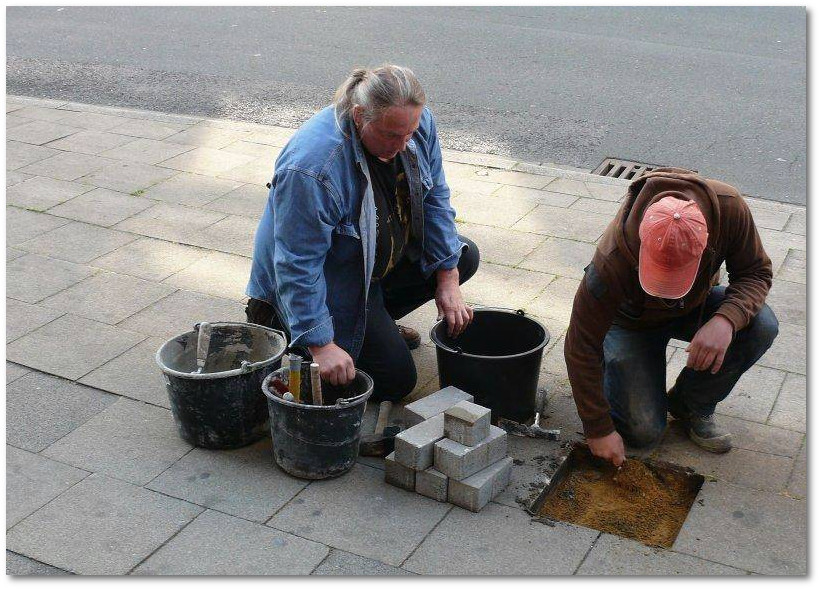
(624, 169)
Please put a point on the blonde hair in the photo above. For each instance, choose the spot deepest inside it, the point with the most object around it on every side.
(376, 90)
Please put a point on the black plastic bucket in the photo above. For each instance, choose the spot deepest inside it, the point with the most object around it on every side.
(318, 441)
(497, 359)
(221, 408)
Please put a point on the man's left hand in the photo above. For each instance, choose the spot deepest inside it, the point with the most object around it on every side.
(450, 302)
(708, 348)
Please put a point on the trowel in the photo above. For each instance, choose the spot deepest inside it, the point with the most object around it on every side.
(203, 342)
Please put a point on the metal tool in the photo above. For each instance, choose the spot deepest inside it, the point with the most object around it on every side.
(383, 439)
(315, 383)
(288, 397)
(203, 342)
(528, 431)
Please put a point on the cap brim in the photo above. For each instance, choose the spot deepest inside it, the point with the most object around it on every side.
(666, 283)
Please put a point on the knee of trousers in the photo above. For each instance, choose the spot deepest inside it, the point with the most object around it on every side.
(469, 260)
(763, 328)
(399, 384)
(642, 435)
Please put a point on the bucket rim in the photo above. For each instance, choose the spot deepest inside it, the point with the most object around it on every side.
(440, 346)
(247, 369)
(358, 399)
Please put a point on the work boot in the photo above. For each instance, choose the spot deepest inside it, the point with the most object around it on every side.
(410, 336)
(703, 431)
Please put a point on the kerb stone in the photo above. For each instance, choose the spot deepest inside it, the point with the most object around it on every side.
(434, 404)
(432, 483)
(459, 461)
(397, 474)
(474, 492)
(467, 423)
(414, 446)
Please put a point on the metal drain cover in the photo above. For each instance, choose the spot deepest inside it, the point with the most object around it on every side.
(624, 169)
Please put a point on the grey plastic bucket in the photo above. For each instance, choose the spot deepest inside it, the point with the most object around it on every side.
(317, 441)
(221, 408)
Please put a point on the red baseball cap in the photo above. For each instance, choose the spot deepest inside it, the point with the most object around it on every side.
(673, 236)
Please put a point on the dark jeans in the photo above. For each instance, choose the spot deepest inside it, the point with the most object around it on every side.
(635, 370)
(384, 354)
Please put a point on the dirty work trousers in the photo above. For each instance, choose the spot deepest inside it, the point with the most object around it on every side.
(635, 370)
(384, 354)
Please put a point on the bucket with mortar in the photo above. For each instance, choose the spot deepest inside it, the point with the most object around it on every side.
(317, 441)
(497, 359)
(219, 405)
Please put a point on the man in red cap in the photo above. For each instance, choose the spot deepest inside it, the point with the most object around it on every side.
(653, 278)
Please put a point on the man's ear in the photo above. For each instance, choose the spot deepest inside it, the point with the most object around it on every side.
(357, 116)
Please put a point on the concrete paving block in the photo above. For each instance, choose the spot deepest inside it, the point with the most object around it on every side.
(67, 166)
(793, 267)
(32, 481)
(227, 545)
(206, 160)
(40, 193)
(244, 482)
(170, 222)
(496, 442)
(501, 247)
(147, 129)
(502, 286)
(150, 259)
(380, 521)
(133, 374)
(22, 225)
(128, 177)
(788, 301)
(90, 120)
(32, 278)
(129, 440)
(219, 275)
(562, 257)
(344, 564)
(41, 409)
(458, 461)
(790, 409)
(432, 405)
(146, 151)
(15, 371)
(22, 318)
(761, 532)
(77, 242)
(490, 210)
(556, 299)
(90, 142)
(190, 189)
(554, 221)
(92, 345)
(101, 526)
(476, 490)
(415, 445)
(500, 541)
(432, 483)
(248, 200)
(179, 312)
(18, 565)
(788, 352)
(502, 478)
(612, 555)
(544, 197)
(101, 206)
(467, 423)
(108, 297)
(39, 132)
(399, 475)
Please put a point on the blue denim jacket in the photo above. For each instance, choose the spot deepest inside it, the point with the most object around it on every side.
(315, 246)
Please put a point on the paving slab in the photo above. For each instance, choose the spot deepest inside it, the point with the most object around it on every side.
(794, 267)
(18, 565)
(170, 222)
(32, 481)
(788, 352)
(202, 135)
(207, 160)
(345, 564)
(31, 278)
(760, 532)
(15, 371)
(39, 193)
(556, 299)
(14, 177)
(13, 254)
(101, 526)
(90, 142)
(77, 242)
(499, 541)
(40, 112)
(503, 286)
(259, 171)
(147, 129)
(569, 186)
(380, 521)
(227, 545)
(129, 440)
(762, 438)
(128, 177)
(563, 257)
(790, 409)
(798, 482)
(234, 234)
(507, 248)
(92, 345)
(254, 150)
(191, 189)
(146, 151)
(22, 318)
(150, 259)
(593, 205)
(108, 297)
(543, 197)
(101, 206)
(797, 223)
(20, 155)
(464, 188)
(554, 221)
(14, 121)
(553, 361)
(218, 274)
(490, 210)
(788, 301)
(90, 120)
(612, 555)
(67, 166)
(244, 482)
(277, 136)
(248, 200)
(22, 225)
(39, 132)
(514, 178)
(41, 409)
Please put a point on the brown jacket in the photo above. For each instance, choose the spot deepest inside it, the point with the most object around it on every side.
(611, 293)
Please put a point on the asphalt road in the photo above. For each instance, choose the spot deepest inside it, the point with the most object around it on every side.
(720, 90)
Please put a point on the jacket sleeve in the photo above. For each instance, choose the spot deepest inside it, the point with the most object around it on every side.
(305, 214)
(593, 310)
(748, 266)
(440, 236)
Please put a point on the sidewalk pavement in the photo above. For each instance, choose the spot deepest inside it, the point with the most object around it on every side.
(125, 228)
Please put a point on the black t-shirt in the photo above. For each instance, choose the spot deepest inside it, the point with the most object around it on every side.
(392, 198)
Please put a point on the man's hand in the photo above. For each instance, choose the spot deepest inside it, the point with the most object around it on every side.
(610, 447)
(708, 348)
(335, 365)
(450, 303)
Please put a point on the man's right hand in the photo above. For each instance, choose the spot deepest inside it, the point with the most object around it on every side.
(335, 365)
(610, 447)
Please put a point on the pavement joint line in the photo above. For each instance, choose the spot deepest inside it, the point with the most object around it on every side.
(321, 562)
(427, 535)
(32, 331)
(39, 562)
(586, 554)
(163, 544)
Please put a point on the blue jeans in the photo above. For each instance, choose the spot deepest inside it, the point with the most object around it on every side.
(635, 370)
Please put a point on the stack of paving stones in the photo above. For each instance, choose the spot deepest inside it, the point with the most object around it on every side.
(450, 452)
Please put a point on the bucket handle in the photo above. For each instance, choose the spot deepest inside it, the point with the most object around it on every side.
(521, 312)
